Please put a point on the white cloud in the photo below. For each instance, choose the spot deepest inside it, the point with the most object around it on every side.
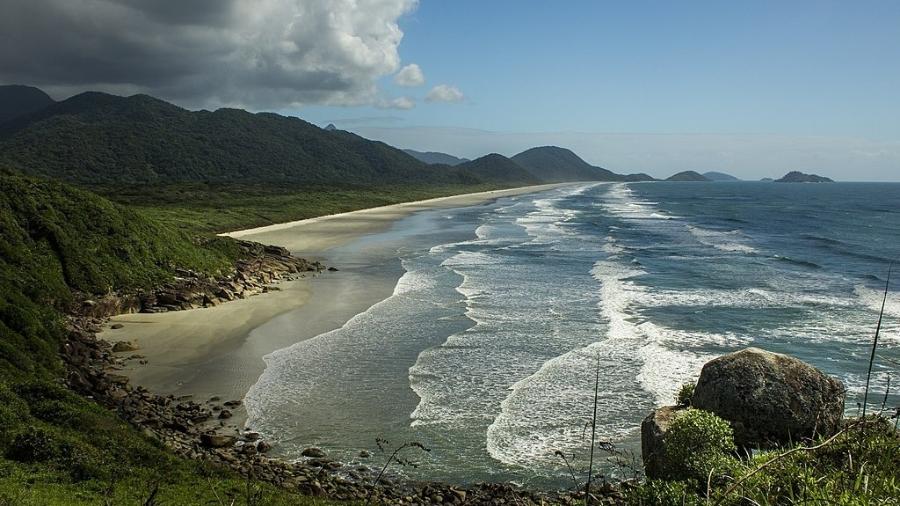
(253, 53)
(404, 103)
(445, 93)
(410, 75)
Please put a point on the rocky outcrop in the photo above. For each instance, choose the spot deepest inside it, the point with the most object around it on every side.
(259, 267)
(770, 398)
(653, 431)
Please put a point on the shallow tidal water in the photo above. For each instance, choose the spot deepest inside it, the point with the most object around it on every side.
(486, 350)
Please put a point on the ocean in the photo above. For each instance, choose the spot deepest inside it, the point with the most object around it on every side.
(486, 351)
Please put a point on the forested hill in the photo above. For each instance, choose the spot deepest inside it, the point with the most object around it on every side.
(494, 168)
(95, 138)
(560, 164)
(99, 139)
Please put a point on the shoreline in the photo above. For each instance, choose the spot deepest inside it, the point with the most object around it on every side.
(326, 232)
(213, 352)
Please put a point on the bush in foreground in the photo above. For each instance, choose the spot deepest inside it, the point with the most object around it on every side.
(857, 466)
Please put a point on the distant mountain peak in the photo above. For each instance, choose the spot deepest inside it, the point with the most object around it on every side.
(17, 100)
(687, 175)
(435, 157)
(330, 127)
(719, 176)
(553, 163)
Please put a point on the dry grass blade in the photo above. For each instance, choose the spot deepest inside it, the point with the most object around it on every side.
(887, 284)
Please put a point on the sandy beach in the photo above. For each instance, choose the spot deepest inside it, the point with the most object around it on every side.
(315, 235)
(216, 352)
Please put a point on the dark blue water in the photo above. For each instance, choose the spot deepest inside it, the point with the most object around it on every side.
(487, 349)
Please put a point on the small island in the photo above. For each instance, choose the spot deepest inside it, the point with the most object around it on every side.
(799, 177)
(688, 175)
(719, 176)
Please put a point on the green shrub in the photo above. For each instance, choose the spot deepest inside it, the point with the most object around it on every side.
(82, 461)
(684, 395)
(663, 493)
(859, 467)
(33, 445)
(699, 443)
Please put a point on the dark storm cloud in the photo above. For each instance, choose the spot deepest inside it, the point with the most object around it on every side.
(255, 53)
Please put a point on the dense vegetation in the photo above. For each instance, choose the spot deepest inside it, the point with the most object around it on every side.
(100, 139)
(206, 208)
(57, 447)
(857, 466)
(95, 138)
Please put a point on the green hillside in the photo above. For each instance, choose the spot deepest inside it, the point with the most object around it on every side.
(57, 447)
(494, 168)
(99, 139)
(95, 138)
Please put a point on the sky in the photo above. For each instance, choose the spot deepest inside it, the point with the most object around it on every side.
(751, 88)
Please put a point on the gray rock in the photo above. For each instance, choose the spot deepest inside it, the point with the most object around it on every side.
(315, 453)
(770, 398)
(217, 440)
(124, 346)
(653, 449)
(116, 326)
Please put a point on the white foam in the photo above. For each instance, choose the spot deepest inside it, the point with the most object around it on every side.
(732, 241)
(872, 299)
(620, 201)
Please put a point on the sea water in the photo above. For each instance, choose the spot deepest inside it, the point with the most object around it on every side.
(487, 350)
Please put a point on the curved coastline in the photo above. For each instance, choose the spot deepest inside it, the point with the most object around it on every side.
(202, 353)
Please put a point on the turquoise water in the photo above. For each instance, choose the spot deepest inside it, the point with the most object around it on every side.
(486, 350)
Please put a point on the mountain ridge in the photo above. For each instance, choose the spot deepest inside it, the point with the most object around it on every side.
(435, 157)
(96, 138)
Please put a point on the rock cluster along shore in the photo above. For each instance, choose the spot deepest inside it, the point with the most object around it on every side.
(196, 430)
(260, 267)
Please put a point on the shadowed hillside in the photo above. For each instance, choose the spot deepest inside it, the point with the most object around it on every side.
(17, 101)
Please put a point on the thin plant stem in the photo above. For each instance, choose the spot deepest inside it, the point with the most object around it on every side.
(875, 341)
(587, 486)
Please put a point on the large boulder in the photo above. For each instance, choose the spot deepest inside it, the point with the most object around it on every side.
(770, 398)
